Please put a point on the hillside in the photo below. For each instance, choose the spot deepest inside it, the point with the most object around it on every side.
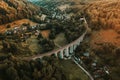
(104, 20)
(11, 10)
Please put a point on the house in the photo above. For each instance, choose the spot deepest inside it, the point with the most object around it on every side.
(43, 17)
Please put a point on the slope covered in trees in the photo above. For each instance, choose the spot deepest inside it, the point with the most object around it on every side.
(104, 19)
(11, 10)
(105, 16)
(45, 69)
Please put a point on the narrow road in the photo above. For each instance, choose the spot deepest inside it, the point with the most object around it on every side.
(88, 29)
(89, 75)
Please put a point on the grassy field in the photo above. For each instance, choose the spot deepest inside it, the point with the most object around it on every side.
(33, 44)
(60, 40)
(72, 71)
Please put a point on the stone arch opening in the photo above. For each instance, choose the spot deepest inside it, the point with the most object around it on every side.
(60, 55)
(54, 55)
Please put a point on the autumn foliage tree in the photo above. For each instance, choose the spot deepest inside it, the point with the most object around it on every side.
(104, 16)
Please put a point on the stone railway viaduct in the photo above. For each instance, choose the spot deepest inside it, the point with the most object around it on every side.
(65, 51)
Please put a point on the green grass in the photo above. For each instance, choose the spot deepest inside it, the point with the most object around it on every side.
(60, 39)
(72, 71)
(33, 44)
